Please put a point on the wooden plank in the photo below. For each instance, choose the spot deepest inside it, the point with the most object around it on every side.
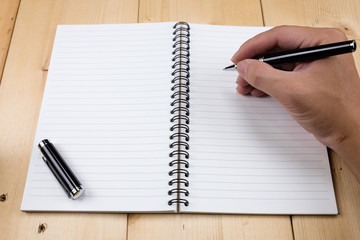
(226, 12)
(8, 11)
(200, 226)
(20, 99)
(345, 16)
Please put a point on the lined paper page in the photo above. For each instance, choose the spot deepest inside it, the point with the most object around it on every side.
(106, 108)
(247, 155)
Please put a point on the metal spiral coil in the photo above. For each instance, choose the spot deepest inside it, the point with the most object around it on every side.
(179, 190)
(185, 144)
(179, 171)
(179, 180)
(183, 101)
(180, 115)
(180, 153)
(179, 162)
(182, 79)
(179, 200)
(177, 135)
(181, 94)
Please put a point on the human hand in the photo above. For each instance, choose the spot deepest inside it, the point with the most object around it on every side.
(323, 95)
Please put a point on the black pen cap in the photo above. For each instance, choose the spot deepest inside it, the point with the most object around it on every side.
(61, 170)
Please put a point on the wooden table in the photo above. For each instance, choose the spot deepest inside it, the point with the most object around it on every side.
(27, 30)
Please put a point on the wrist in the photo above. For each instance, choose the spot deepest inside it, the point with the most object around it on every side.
(347, 146)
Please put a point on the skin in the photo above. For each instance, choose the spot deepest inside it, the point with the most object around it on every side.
(323, 96)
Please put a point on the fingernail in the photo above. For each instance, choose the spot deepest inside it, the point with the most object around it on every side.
(241, 68)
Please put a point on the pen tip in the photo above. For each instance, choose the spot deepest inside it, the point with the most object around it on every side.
(231, 67)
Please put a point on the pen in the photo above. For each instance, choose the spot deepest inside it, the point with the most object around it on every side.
(61, 170)
(305, 54)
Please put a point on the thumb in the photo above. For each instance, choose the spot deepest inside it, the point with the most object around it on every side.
(263, 76)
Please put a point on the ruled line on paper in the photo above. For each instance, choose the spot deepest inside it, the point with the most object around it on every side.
(260, 190)
(209, 110)
(99, 111)
(265, 154)
(253, 145)
(110, 165)
(252, 119)
(46, 172)
(109, 57)
(98, 98)
(239, 132)
(231, 167)
(115, 124)
(227, 98)
(94, 30)
(100, 196)
(209, 160)
(96, 47)
(108, 180)
(269, 182)
(102, 74)
(236, 104)
(115, 85)
(115, 188)
(268, 199)
(99, 40)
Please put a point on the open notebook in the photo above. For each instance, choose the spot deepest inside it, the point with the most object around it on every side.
(148, 120)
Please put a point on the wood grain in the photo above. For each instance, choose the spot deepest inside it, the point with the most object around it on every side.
(201, 226)
(198, 226)
(20, 99)
(221, 12)
(8, 11)
(345, 16)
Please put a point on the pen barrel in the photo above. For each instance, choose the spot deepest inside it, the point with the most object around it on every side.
(310, 54)
(60, 169)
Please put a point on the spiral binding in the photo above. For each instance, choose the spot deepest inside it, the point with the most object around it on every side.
(180, 115)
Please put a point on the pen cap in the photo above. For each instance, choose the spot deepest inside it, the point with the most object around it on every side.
(61, 170)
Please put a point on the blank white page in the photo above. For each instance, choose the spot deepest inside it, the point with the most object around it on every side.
(247, 155)
(106, 108)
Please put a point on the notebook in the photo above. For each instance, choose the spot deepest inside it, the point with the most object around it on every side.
(149, 122)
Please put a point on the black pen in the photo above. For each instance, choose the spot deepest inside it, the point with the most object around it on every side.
(306, 54)
(61, 170)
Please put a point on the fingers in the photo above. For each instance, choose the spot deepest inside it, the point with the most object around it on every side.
(245, 88)
(257, 78)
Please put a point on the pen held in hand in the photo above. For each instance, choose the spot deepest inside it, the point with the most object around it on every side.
(305, 54)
